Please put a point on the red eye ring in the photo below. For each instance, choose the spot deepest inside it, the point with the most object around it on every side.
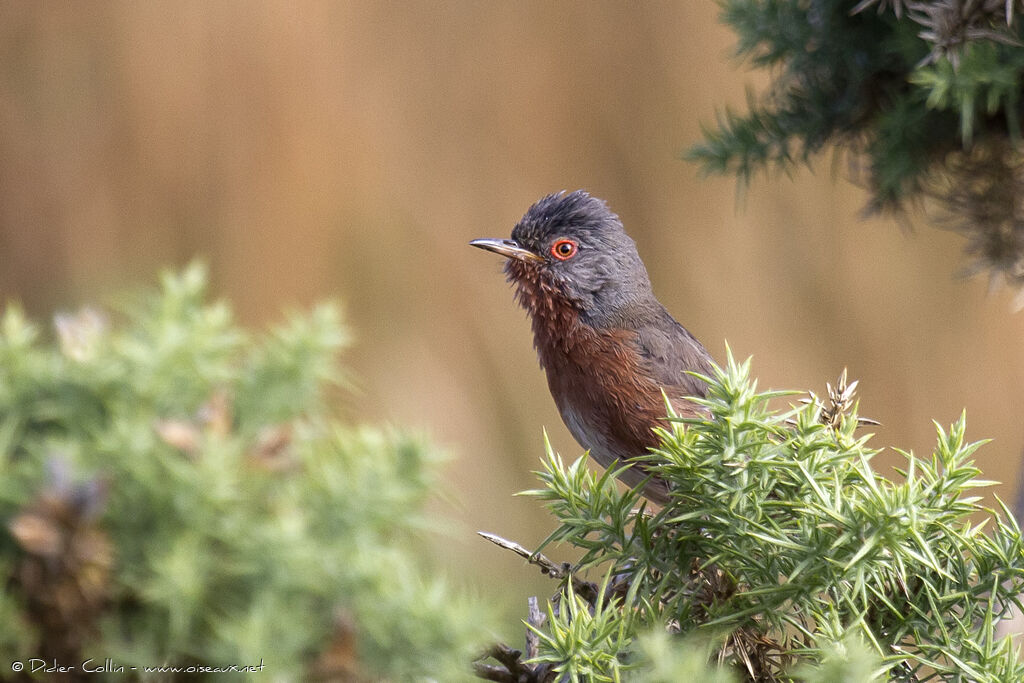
(564, 249)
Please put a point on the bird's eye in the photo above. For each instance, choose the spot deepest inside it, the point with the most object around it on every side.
(563, 249)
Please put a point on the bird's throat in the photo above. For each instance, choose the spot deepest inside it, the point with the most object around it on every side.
(556, 319)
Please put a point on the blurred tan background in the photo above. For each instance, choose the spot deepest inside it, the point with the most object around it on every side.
(349, 150)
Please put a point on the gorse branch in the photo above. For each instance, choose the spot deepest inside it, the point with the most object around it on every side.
(786, 550)
(923, 96)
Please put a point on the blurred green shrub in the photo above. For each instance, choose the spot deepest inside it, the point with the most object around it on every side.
(175, 492)
(781, 555)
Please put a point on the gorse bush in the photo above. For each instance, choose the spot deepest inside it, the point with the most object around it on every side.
(781, 555)
(176, 495)
(175, 492)
(925, 98)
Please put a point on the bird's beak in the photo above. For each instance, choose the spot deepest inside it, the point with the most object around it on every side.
(507, 248)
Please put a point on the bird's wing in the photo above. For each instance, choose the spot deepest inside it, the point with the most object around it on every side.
(671, 352)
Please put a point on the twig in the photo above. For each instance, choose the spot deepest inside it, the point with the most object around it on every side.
(490, 672)
(511, 668)
(584, 589)
(536, 619)
(546, 566)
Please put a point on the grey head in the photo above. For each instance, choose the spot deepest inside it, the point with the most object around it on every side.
(574, 244)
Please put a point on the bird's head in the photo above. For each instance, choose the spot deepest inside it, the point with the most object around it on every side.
(571, 245)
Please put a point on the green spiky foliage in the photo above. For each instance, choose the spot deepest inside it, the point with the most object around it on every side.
(781, 555)
(924, 97)
(176, 492)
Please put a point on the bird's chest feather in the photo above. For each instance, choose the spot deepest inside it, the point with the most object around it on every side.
(600, 389)
(596, 376)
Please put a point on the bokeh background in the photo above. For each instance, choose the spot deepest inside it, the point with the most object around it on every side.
(349, 150)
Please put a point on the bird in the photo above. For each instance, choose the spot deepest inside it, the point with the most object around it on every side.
(611, 352)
